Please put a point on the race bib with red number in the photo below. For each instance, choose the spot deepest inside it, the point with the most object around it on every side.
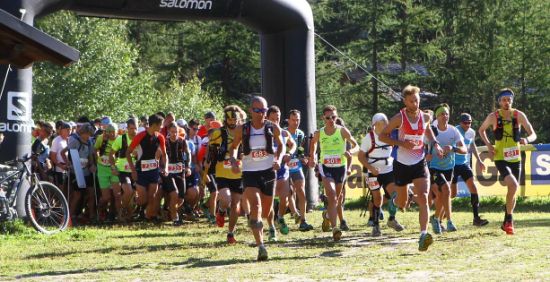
(373, 183)
(259, 155)
(332, 160)
(293, 163)
(416, 139)
(175, 168)
(147, 165)
(227, 164)
(104, 161)
(511, 154)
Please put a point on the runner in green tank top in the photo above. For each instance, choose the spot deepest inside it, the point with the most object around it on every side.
(506, 124)
(332, 163)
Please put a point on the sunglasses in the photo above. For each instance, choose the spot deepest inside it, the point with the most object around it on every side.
(330, 117)
(259, 110)
(194, 128)
(467, 122)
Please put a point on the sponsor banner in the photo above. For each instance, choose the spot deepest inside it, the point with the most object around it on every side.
(18, 113)
(535, 175)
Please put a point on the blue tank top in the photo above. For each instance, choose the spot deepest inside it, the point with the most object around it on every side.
(295, 164)
(461, 159)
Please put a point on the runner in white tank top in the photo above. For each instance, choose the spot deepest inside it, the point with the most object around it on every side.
(410, 165)
(260, 162)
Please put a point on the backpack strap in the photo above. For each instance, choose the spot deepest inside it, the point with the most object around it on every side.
(372, 143)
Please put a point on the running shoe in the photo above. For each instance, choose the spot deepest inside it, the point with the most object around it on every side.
(508, 227)
(395, 225)
(450, 226)
(282, 226)
(211, 219)
(304, 226)
(370, 223)
(425, 241)
(376, 231)
(344, 225)
(478, 221)
(220, 219)
(272, 235)
(231, 239)
(262, 253)
(336, 234)
(177, 222)
(326, 223)
(436, 226)
(381, 215)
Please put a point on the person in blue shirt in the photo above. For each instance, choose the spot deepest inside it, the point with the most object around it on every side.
(441, 166)
(462, 166)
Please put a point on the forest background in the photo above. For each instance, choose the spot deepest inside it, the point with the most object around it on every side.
(463, 51)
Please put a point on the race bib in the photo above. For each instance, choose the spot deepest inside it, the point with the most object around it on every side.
(332, 160)
(126, 167)
(511, 154)
(147, 165)
(104, 160)
(83, 162)
(227, 164)
(293, 163)
(373, 183)
(259, 155)
(175, 168)
(416, 139)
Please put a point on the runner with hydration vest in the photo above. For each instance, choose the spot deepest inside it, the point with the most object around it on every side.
(506, 124)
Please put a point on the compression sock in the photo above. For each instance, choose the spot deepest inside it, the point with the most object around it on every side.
(474, 199)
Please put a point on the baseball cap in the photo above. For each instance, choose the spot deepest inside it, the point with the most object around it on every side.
(106, 120)
(181, 122)
(464, 117)
(65, 125)
(210, 115)
(378, 117)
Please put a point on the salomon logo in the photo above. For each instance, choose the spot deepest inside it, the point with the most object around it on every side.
(187, 4)
(18, 106)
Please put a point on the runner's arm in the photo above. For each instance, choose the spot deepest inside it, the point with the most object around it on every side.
(385, 136)
(313, 149)
(233, 148)
(532, 136)
(280, 146)
(347, 136)
(488, 122)
(291, 144)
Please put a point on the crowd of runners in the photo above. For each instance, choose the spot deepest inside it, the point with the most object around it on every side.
(161, 168)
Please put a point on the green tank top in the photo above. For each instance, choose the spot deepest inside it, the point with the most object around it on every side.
(333, 148)
(506, 148)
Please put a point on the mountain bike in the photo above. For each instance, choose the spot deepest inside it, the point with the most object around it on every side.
(44, 204)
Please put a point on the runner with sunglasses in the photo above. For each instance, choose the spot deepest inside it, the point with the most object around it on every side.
(333, 162)
(506, 124)
(462, 166)
(259, 165)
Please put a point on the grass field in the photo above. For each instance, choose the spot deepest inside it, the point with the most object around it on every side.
(197, 251)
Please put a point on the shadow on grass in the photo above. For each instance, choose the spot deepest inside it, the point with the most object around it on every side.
(532, 222)
(190, 263)
(130, 250)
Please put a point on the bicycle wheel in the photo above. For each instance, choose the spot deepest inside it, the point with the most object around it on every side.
(47, 208)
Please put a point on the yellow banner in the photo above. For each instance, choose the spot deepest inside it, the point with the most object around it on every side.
(534, 180)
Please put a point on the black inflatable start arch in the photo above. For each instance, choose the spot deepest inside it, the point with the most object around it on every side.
(287, 52)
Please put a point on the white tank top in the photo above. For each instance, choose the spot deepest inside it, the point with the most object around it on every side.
(258, 159)
(412, 132)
